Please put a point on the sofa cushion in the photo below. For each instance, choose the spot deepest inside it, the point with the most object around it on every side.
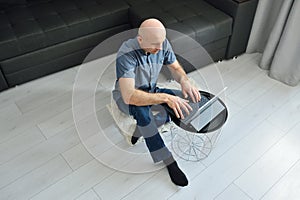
(196, 18)
(6, 3)
(13, 1)
(42, 23)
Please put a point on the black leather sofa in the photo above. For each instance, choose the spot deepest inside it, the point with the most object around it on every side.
(39, 37)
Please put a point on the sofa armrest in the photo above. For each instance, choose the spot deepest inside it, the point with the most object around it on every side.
(3, 84)
(242, 12)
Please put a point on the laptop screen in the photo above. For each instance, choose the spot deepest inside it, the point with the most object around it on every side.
(207, 115)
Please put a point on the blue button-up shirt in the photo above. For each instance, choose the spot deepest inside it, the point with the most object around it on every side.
(133, 62)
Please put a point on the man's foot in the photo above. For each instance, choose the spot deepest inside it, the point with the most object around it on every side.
(135, 136)
(177, 176)
(134, 140)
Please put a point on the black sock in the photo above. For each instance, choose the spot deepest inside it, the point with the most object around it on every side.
(134, 140)
(176, 175)
(135, 137)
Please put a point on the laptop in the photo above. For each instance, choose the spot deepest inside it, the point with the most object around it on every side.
(200, 116)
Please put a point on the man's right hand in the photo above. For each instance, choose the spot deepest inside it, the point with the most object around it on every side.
(178, 105)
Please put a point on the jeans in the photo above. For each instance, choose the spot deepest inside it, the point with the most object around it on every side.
(147, 124)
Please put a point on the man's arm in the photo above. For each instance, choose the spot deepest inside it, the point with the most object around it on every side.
(177, 72)
(180, 76)
(137, 97)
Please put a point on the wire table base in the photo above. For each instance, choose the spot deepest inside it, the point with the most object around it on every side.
(192, 146)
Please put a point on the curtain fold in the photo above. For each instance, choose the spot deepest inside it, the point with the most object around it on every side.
(276, 34)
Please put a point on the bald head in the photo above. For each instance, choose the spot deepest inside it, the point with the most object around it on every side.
(151, 35)
(151, 26)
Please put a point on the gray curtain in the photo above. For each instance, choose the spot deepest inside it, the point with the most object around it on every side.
(276, 34)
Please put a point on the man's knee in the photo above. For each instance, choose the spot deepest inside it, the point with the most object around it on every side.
(141, 114)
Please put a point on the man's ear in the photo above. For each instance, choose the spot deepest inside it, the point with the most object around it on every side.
(139, 38)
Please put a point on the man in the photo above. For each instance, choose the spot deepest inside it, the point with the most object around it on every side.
(138, 64)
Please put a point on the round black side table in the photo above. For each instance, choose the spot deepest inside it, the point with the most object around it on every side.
(192, 145)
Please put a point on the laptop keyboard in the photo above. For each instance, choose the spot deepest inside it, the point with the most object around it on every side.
(195, 107)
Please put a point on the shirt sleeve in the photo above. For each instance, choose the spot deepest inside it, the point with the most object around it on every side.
(169, 55)
(125, 66)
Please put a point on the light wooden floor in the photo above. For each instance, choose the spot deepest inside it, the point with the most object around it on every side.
(256, 157)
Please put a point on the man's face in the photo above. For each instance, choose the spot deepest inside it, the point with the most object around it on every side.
(152, 41)
(152, 46)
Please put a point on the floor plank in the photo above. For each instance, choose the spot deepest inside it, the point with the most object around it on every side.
(288, 115)
(283, 155)
(20, 144)
(287, 187)
(22, 91)
(234, 193)
(76, 183)
(64, 120)
(126, 183)
(13, 127)
(36, 156)
(9, 111)
(77, 156)
(89, 195)
(37, 180)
